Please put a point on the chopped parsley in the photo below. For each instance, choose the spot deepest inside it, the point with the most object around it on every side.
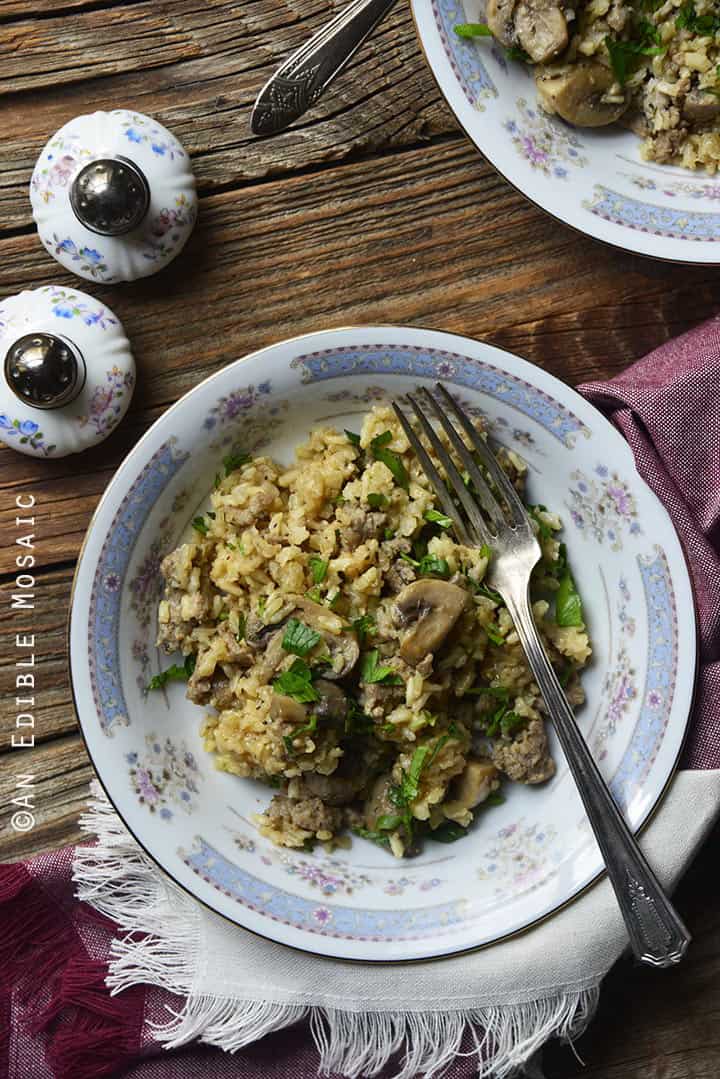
(307, 728)
(318, 568)
(568, 604)
(176, 673)
(200, 525)
(299, 638)
(233, 461)
(352, 437)
(392, 461)
(448, 832)
(240, 635)
(429, 565)
(688, 19)
(380, 838)
(472, 29)
(437, 518)
(515, 52)
(363, 626)
(357, 721)
(500, 692)
(624, 54)
(371, 671)
(494, 634)
(404, 793)
(297, 683)
(377, 501)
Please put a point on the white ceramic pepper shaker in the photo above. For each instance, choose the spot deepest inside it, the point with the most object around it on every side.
(67, 372)
(113, 196)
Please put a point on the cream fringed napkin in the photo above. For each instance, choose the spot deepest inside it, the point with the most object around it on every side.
(237, 987)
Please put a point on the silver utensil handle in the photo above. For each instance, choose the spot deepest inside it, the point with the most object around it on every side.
(657, 934)
(304, 76)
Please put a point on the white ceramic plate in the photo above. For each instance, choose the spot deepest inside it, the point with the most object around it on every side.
(523, 859)
(592, 180)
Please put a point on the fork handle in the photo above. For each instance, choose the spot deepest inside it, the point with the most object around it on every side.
(309, 71)
(657, 934)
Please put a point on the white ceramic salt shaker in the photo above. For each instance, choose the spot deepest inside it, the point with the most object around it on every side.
(67, 372)
(113, 196)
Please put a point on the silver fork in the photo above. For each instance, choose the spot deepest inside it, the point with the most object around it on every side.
(657, 934)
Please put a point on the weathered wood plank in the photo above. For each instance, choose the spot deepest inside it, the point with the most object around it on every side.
(61, 773)
(47, 625)
(402, 244)
(387, 99)
(82, 45)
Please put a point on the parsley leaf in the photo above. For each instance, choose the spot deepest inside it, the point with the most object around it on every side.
(389, 459)
(472, 29)
(307, 728)
(176, 673)
(364, 626)
(318, 568)
(299, 638)
(371, 671)
(494, 634)
(403, 794)
(568, 605)
(623, 55)
(376, 501)
(357, 721)
(352, 437)
(233, 461)
(240, 635)
(448, 832)
(297, 683)
(374, 837)
(437, 518)
(429, 565)
(200, 525)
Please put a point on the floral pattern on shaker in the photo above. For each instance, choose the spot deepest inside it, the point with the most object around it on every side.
(164, 235)
(603, 506)
(106, 402)
(140, 130)
(164, 776)
(27, 433)
(63, 158)
(548, 146)
(521, 857)
(91, 260)
(66, 304)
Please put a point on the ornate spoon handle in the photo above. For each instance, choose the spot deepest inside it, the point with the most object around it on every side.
(304, 76)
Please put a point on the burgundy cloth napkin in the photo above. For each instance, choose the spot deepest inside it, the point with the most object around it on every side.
(58, 1020)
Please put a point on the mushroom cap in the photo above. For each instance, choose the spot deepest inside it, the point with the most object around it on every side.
(429, 608)
(287, 709)
(541, 29)
(499, 18)
(575, 93)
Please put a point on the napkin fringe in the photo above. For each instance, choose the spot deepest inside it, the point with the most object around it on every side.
(161, 946)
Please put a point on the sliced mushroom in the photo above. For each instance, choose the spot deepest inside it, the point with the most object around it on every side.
(430, 609)
(576, 94)
(701, 108)
(476, 783)
(267, 664)
(499, 18)
(320, 618)
(332, 703)
(287, 710)
(379, 804)
(541, 29)
(344, 654)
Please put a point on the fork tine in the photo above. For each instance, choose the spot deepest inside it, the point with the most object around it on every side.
(485, 495)
(454, 477)
(435, 479)
(517, 510)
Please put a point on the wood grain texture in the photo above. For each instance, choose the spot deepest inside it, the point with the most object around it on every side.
(373, 209)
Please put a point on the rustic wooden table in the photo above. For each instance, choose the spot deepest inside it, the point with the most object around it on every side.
(375, 209)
